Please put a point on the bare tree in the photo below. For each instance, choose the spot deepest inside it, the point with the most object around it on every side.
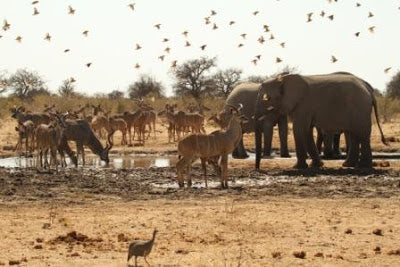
(116, 94)
(67, 88)
(192, 77)
(393, 87)
(144, 86)
(25, 84)
(257, 78)
(226, 80)
(3, 83)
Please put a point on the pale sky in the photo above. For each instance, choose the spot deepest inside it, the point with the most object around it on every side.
(114, 30)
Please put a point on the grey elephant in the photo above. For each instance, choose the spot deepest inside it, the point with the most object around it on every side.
(333, 102)
(331, 144)
(246, 94)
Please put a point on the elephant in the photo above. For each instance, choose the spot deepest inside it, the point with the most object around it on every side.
(331, 144)
(246, 94)
(333, 102)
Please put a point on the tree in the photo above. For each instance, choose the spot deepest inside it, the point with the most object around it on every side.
(192, 78)
(393, 87)
(226, 80)
(67, 88)
(257, 78)
(3, 83)
(27, 84)
(116, 94)
(144, 86)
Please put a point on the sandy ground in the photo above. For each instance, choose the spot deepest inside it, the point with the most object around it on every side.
(87, 216)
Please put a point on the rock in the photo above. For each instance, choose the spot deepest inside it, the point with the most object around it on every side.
(299, 254)
(38, 246)
(378, 232)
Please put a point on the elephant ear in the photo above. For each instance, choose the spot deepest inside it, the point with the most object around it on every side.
(294, 88)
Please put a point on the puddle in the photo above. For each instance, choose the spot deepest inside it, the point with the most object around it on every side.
(117, 163)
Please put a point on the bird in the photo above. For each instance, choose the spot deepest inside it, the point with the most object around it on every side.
(207, 20)
(282, 44)
(322, 14)
(161, 57)
(258, 57)
(18, 39)
(240, 45)
(266, 28)
(88, 64)
(138, 47)
(137, 66)
(203, 47)
(185, 33)
(47, 37)
(71, 11)
(6, 25)
(372, 29)
(213, 13)
(231, 22)
(158, 26)
(85, 33)
(167, 49)
(215, 26)
(243, 35)
(187, 43)
(254, 61)
(165, 40)
(35, 2)
(331, 17)
(256, 12)
(309, 15)
(141, 248)
(261, 39)
(358, 5)
(35, 11)
(370, 15)
(278, 60)
(66, 50)
(72, 79)
(173, 63)
(387, 69)
(357, 34)
(333, 59)
(132, 6)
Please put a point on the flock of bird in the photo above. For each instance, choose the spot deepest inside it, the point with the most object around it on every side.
(208, 20)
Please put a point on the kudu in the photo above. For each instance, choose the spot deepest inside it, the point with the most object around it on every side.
(21, 116)
(117, 124)
(99, 121)
(26, 130)
(220, 143)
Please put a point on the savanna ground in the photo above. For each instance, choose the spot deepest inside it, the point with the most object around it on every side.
(87, 216)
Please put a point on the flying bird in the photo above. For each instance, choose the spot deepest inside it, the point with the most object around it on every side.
(261, 39)
(158, 26)
(358, 5)
(215, 26)
(187, 43)
(85, 33)
(213, 13)
(173, 64)
(161, 57)
(167, 49)
(138, 47)
(88, 64)
(203, 47)
(137, 66)
(256, 12)
(272, 37)
(282, 44)
(47, 37)
(72, 80)
(278, 60)
(322, 14)
(231, 22)
(333, 59)
(71, 11)
(266, 28)
(372, 29)
(331, 17)
(258, 57)
(388, 69)
(165, 40)
(309, 15)
(35, 2)
(357, 34)
(66, 50)
(243, 35)
(207, 20)
(18, 39)
(6, 25)
(35, 11)
(370, 15)
(240, 45)
(132, 6)
(185, 33)
(254, 61)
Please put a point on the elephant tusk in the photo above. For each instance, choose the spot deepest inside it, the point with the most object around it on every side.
(270, 108)
(261, 118)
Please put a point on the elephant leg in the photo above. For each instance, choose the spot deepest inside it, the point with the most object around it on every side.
(240, 151)
(283, 136)
(328, 143)
(268, 134)
(353, 153)
(301, 147)
(312, 150)
(336, 146)
(320, 139)
(366, 154)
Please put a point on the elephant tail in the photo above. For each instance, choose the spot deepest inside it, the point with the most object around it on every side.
(383, 139)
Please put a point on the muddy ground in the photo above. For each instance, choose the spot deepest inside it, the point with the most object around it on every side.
(87, 216)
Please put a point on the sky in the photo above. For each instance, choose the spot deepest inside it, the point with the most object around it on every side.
(115, 29)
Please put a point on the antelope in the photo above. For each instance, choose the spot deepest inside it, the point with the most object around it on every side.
(130, 119)
(117, 124)
(199, 108)
(220, 143)
(25, 131)
(22, 116)
(99, 121)
(80, 132)
(151, 116)
(48, 109)
(139, 126)
(217, 120)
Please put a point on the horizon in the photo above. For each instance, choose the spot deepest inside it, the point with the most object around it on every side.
(308, 46)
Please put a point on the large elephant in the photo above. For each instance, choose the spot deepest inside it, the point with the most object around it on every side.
(331, 144)
(333, 102)
(246, 94)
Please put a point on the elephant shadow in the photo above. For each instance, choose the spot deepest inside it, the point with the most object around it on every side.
(312, 172)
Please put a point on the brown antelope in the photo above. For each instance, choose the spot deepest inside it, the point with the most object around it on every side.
(99, 121)
(130, 119)
(22, 116)
(26, 131)
(80, 132)
(220, 143)
(217, 120)
(150, 115)
(139, 126)
(117, 124)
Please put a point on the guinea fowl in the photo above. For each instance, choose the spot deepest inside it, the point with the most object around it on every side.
(141, 248)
